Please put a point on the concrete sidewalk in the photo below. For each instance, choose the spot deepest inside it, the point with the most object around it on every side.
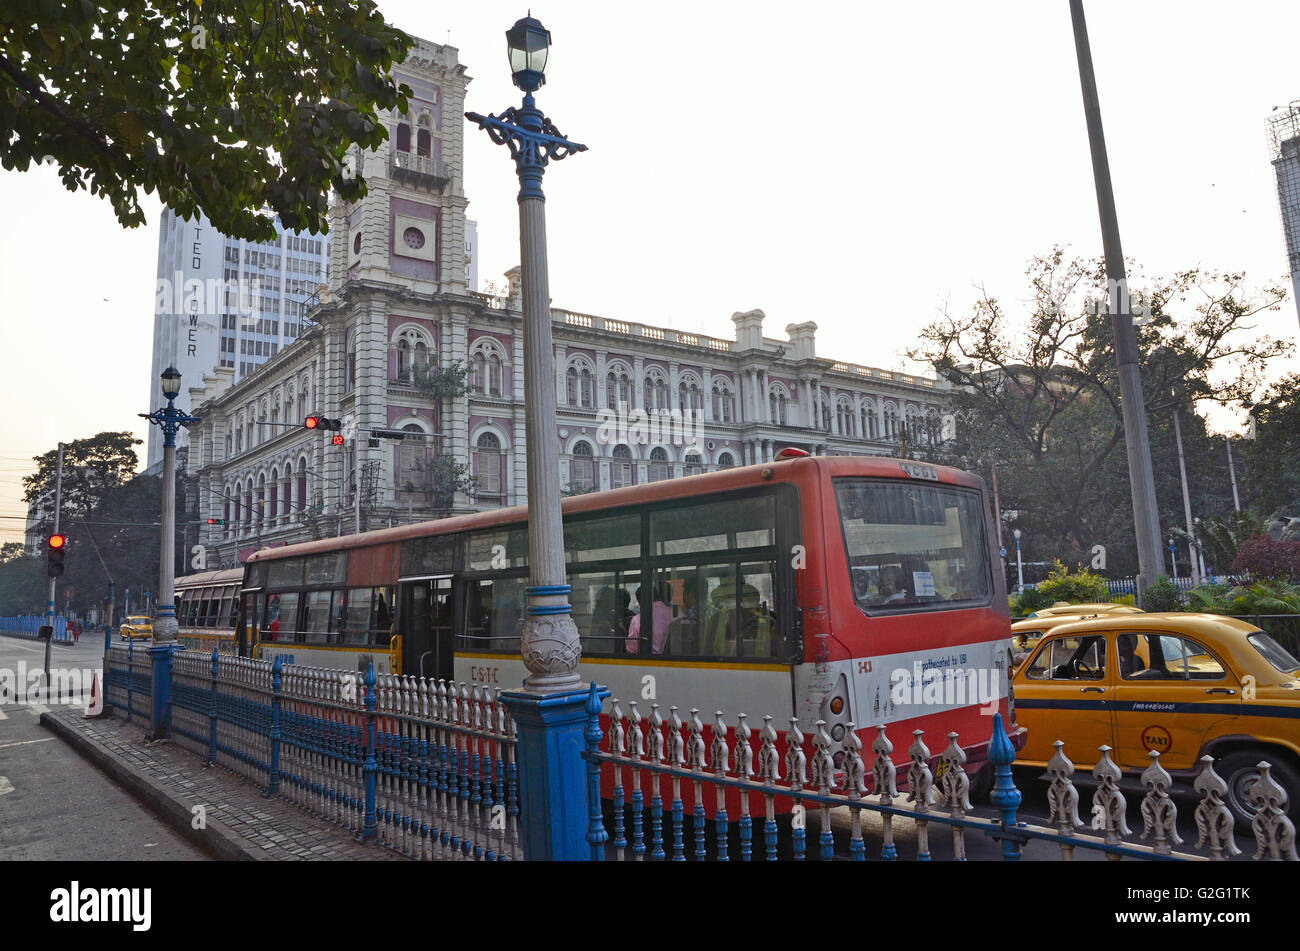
(240, 821)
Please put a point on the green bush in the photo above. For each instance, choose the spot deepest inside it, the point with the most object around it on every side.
(1208, 599)
(1264, 597)
(1079, 587)
(1162, 596)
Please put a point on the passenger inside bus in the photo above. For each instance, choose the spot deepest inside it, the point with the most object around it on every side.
(661, 616)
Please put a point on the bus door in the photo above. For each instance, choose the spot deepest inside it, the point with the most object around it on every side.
(427, 629)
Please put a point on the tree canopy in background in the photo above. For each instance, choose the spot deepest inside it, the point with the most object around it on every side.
(91, 467)
(225, 106)
(1042, 401)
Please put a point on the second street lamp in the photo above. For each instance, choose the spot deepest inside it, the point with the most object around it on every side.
(549, 642)
(170, 420)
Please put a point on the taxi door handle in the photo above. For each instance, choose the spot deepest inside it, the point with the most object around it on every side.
(1091, 689)
(1228, 690)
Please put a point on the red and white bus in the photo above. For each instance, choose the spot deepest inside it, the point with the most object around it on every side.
(206, 609)
(856, 590)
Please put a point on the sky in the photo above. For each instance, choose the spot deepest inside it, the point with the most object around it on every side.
(862, 165)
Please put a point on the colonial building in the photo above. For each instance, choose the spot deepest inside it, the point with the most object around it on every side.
(396, 328)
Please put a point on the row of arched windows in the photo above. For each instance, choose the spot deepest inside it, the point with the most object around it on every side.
(284, 404)
(584, 470)
(272, 499)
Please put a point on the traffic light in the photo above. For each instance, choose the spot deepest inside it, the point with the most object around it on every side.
(56, 546)
(311, 422)
(322, 422)
(216, 521)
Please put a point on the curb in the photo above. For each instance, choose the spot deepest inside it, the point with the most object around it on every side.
(217, 840)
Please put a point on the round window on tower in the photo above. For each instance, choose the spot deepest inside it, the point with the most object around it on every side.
(414, 238)
(356, 244)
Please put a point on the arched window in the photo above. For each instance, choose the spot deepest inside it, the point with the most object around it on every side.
(403, 359)
(622, 471)
(618, 388)
(403, 136)
(422, 137)
(826, 411)
(487, 466)
(914, 433)
(571, 386)
(583, 469)
(689, 395)
(723, 404)
(656, 392)
(726, 461)
(844, 416)
(891, 422)
(659, 468)
(272, 499)
(933, 427)
(477, 372)
(869, 422)
(350, 368)
(777, 401)
(494, 375)
(300, 490)
(692, 464)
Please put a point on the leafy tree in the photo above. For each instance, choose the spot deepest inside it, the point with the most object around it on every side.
(1162, 596)
(1261, 557)
(1269, 463)
(91, 467)
(1043, 400)
(227, 107)
(24, 587)
(438, 383)
(1218, 538)
(10, 551)
(442, 478)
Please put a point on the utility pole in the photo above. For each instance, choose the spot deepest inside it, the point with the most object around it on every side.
(997, 503)
(1146, 514)
(1232, 474)
(1187, 502)
(58, 504)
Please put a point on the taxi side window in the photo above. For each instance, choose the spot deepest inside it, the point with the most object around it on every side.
(1165, 657)
(1069, 658)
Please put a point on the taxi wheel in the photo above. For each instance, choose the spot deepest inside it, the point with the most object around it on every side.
(1241, 770)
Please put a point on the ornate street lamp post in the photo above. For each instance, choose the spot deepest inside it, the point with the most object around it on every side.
(549, 643)
(550, 712)
(170, 420)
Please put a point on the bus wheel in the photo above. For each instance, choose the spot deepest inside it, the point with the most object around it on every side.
(1240, 770)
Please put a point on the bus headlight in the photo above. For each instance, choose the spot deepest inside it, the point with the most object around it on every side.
(837, 707)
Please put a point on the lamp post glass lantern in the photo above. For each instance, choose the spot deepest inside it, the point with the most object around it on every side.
(170, 420)
(549, 641)
(1020, 568)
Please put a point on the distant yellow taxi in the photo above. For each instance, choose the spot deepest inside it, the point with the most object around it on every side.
(1093, 607)
(137, 625)
(1182, 684)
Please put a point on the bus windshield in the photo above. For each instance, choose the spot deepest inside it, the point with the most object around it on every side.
(912, 544)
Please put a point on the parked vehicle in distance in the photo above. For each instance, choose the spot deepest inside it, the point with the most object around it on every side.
(1185, 685)
(1061, 608)
(136, 625)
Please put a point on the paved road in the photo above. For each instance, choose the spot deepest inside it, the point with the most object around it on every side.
(53, 804)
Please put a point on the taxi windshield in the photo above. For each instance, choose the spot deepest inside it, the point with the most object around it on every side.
(913, 545)
(1273, 652)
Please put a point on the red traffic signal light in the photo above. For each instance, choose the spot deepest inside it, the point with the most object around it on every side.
(56, 548)
(311, 422)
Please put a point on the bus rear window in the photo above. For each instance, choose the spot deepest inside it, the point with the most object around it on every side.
(913, 545)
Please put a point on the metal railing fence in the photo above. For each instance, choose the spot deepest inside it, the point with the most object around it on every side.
(28, 626)
(128, 682)
(646, 760)
(427, 768)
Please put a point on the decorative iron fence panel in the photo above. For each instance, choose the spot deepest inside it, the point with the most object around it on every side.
(128, 682)
(646, 758)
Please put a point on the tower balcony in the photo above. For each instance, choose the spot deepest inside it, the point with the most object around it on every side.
(418, 169)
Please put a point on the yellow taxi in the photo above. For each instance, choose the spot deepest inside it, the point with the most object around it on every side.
(137, 625)
(1061, 608)
(1026, 633)
(1182, 684)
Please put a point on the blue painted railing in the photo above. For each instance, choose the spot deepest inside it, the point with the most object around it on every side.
(28, 626)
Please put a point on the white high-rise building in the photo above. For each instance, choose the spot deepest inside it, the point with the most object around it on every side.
(227, 302)
(1284, 139)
